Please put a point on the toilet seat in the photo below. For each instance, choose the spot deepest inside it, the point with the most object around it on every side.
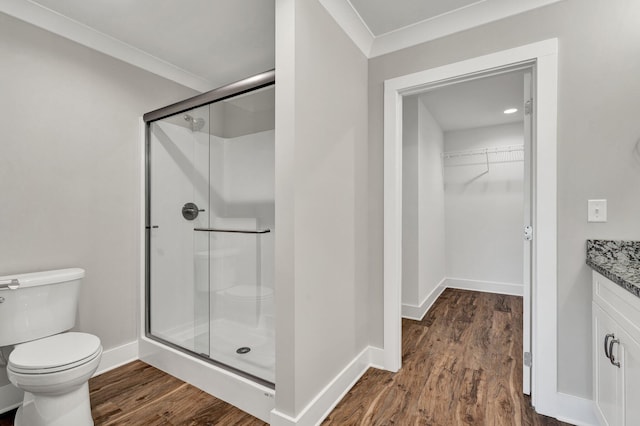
(55, 353)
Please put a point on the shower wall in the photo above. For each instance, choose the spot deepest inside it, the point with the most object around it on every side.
(241, 265)
(242, 196)
(242, 192)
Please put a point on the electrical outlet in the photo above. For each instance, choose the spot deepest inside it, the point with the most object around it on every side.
(597, 211)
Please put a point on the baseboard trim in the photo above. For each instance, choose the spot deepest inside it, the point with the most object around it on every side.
(418, 312)
(326, 400)
(485, 286)
(10, 397)
(376, 358)
(118, 356)
(575, 410)
(414, 312)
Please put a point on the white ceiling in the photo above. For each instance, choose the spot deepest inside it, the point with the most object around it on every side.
(477, 103)
(383, 16)
(220, 41)
(378, 27)
(204, 44)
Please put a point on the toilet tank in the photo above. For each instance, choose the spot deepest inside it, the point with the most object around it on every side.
(42, 305)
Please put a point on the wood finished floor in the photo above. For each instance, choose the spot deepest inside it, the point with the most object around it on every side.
(138, 394)
(461, 366)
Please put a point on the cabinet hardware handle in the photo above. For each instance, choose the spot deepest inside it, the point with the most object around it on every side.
(611, 357)
(606, 342)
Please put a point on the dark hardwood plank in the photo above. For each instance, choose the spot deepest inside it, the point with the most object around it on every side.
(139, 394)
(185, 405)
(462, 365)
(128, 388)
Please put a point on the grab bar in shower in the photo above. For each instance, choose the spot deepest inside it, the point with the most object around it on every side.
(237, 231)
(11, 284)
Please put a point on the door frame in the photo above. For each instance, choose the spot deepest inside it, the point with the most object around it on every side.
(529, 140)
(544, 57)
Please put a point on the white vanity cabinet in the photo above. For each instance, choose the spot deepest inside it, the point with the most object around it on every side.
(616, 353)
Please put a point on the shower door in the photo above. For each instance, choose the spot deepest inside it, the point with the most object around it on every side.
(178, 299)
(211, 233)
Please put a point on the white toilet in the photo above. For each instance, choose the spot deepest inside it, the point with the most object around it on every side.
(51, 366)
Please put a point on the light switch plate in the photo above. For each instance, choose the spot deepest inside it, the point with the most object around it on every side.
(597, 211)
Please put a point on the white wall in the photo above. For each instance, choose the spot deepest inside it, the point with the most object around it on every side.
(70, 167)
(484, 210)
(321, 207)
(423, 214)
(410, 201)
(431, 204)
(598, 132)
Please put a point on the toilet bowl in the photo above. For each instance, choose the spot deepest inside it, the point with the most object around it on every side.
(50, 365)
(54, 372)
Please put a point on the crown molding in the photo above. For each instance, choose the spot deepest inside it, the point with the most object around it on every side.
(68, 28)
(439, 26)
(342, 12)
(459, 20)
(351, 22)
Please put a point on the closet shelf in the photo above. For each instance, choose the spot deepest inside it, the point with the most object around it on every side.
(483, 156)
(482, 151)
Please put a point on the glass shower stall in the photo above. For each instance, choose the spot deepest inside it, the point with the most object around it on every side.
(210, 227)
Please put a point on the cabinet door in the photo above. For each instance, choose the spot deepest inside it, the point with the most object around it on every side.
(629, 357)
(606, 376)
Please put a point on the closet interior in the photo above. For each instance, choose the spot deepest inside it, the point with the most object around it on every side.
(464, 195)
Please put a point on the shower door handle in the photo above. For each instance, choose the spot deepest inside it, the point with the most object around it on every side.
(234, 231)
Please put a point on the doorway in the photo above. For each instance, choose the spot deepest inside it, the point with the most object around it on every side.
(541, 58)
(466, 193)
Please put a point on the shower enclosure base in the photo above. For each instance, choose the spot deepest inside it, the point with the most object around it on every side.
(246, 348)
(227, 337)
(249, 396)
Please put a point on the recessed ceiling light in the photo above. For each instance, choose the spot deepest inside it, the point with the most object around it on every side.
(511, 110)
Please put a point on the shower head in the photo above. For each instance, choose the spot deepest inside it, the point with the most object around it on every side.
(196, 123)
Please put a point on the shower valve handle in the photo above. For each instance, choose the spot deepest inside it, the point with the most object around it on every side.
(190, 211)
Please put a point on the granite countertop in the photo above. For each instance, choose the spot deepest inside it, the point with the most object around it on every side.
(617, 260)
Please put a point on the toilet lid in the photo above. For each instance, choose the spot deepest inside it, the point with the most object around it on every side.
(55, 353)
